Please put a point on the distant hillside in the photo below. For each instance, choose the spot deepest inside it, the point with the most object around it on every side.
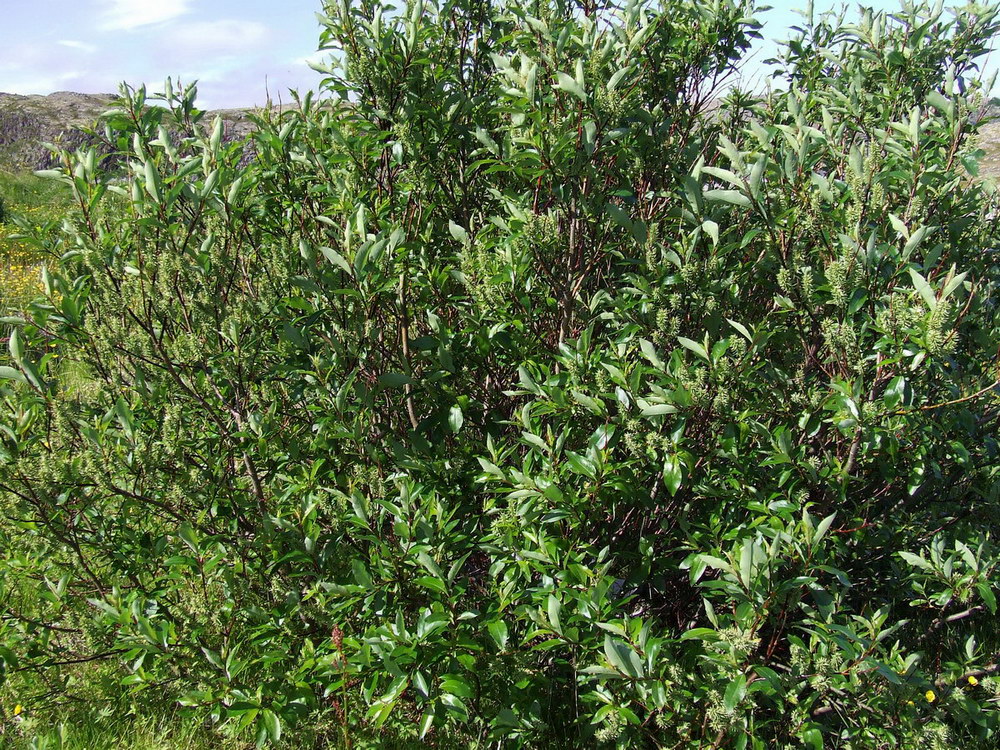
(990, 143)
(29, 122)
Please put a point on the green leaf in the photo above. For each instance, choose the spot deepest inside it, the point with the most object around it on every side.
(822, 528)
(490, 468)
(394, 380)
(747, 567)
(896, 393)
(812, 737)
(420, 683)
(9, 373)
(234, 191)
(455, 706)
(916, 561)
(581, 464)
(734, 197)
(426, 722)
(591, 404)
(617, 77)
(498, 632)
(337, 259)
(925, 290)
(741, 328)
(941, 103)
(271, 723)
(455, 418)
(700, 634)
(428, 562)
(724, 174)
(735, 692)
(247, 717)
(619, 215)
(712, 229)
(649, 352)
(15, 346)
(694, 346)
(672, 474)
(125, 417)
(554, 607)
(953, 283)
(718, 563)
(899, 226)
(487, 140)
(458, 233)
(692, 193)
(655, 410)
(536, 441)
(622, 657)
(526, 381)
(987, 595)
(152, 180)
(590, 136)
(431, 583)
(361, 574)
(570, 85)
(915, 239)
(889, 674)
(457, 686)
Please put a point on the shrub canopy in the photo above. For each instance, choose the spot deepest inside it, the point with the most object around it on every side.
(530, 388)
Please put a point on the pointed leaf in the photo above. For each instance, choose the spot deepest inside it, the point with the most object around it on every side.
(571, 85)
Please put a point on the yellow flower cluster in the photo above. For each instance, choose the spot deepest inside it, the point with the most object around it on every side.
(20, 269)
(20, 280)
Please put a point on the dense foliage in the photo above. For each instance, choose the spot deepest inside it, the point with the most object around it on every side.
(529, 390)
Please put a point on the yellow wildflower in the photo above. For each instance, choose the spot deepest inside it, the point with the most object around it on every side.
(972, 680)
(930, 696)
(18, 709)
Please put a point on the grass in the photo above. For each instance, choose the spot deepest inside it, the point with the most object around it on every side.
(174, 732)
(27, 203)
(109, 734)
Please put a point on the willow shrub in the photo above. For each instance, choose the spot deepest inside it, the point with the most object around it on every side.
(527, 391)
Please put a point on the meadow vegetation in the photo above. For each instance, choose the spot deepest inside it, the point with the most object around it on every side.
(29, 206)
(529, 388)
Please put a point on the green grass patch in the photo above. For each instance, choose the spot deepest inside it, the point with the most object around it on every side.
(120, 734)
(29, 205)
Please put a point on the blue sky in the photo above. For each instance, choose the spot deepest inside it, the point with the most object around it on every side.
(237, 49)
(778, 22)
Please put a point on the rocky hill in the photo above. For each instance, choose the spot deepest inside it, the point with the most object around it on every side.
(990, 143)
(29, 122)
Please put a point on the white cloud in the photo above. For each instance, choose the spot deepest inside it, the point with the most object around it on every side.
(239, 60)
(82, 46)
(33, 82)
(125, 15)
(215, 38)
(24, 56)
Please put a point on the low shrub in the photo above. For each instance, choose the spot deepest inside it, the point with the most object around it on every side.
(527, 391)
